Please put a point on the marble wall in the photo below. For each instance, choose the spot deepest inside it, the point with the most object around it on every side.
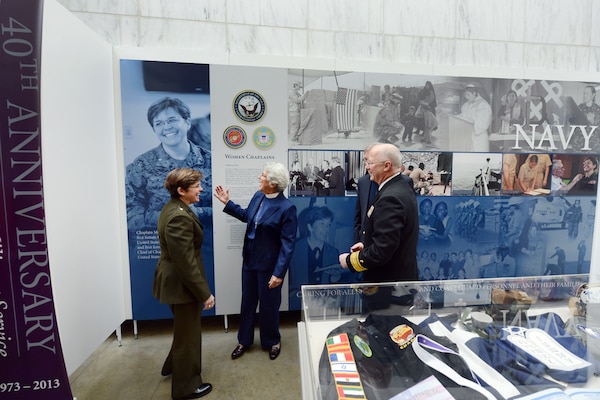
(520, 35)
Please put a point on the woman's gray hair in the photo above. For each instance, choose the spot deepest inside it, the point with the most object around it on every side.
(278, 175)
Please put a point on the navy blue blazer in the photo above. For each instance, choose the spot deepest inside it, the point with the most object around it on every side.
(275, 233)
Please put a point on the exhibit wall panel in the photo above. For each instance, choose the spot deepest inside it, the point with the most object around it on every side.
(80, 184)
(240, 164)
(562, 132)
(145, 166)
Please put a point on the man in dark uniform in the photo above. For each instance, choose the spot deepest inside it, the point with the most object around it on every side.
(573, 217)
(322, 183)
(336, 178)
(366, 190)
(389, 250)
(561, 258)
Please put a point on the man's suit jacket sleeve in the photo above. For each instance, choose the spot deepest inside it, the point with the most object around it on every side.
(336, 179)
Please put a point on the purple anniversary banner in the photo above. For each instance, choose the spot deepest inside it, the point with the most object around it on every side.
(31, 360)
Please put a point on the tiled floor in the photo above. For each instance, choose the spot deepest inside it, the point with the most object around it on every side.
(132, 371)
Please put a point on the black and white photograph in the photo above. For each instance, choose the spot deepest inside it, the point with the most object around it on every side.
(348, 110)
(332, 109)
(431, 172)
(355, 169)
(476, 174)
(317, 173)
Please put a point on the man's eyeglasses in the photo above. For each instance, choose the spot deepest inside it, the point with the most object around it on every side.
(161, 124)
(369, 163)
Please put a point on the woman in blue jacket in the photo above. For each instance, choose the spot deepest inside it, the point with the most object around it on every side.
(271, 224)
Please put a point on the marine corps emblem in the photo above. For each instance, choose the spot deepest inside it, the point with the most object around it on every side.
(234, 137)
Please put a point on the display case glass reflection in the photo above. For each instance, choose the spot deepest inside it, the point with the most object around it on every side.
(523, 335)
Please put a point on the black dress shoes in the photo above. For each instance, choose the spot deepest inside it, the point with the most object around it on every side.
(238, 351)
(201, 391)
(274, 352)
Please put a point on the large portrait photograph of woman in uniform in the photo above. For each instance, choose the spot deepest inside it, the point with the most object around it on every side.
(166, 125)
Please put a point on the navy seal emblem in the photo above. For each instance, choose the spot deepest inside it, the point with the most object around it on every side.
(249, 106)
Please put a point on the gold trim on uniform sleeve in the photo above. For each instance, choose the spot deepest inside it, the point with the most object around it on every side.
(356, 263)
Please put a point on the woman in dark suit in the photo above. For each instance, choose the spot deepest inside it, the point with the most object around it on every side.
(271, 223)
(180, 282)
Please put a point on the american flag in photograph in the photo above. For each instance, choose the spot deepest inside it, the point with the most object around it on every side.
(345, 103)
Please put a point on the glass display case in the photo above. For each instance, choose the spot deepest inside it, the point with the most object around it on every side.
(531, 337)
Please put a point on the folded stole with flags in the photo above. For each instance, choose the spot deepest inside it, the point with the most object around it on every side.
(343, 368)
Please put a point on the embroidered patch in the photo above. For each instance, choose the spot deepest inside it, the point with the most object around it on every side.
(402, 335)
(363, 346)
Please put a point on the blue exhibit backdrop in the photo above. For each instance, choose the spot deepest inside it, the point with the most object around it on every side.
(31, 358)
(505, 170)
(186, 88)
